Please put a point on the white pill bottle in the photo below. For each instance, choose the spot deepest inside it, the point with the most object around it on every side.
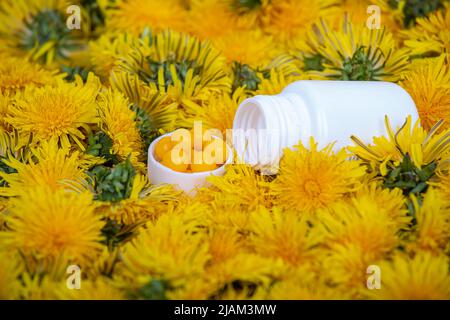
(329, 111)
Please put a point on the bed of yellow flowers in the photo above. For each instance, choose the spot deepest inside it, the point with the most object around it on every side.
(85, 89)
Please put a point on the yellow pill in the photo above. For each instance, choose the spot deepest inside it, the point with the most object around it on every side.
(174, 162)
(162, 147)
(197, 139)
(215, 152)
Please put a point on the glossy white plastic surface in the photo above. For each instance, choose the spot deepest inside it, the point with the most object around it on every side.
(330, 111)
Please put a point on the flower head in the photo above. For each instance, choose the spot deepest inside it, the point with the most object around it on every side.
(118, 121)
(356, 234)
(312, 179)
(16, 74)
(431, 35)
(10, 271)
(50, 166)
(407, 158)
(136, 15)
(355, 52)
(210, 19)
(428, 85)
(168, 250)
(56, 112)
(284, 235)
(425, 276)
(433, 222)
(38, 30)
(53, 226)
(250, 47)
(286, 20)
(240, 188)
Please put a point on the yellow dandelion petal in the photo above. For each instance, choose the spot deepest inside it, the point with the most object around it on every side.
(425, 276)
(167, 250)
(209, 19)
(390, 204)
(428, 85)
(98, 289)
(135, 15)
(286, 20)
(144, 204)
(25, 31)
(250, 47)
(240, 188)
(118, 121)
(356, 52)
(59, 112)
(433, 222)
(246, 268)
(361, 224)
(52, 225)
(284, 235)
(10, 270)
(16, 74)
(301, 283)
(105, 52)
(53, 167)
(312, 179)
(431, 35)
(423, 147)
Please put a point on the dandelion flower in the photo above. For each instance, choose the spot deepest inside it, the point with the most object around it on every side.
(301, 283)
(16, 74)
(357, 53)
(196, 289)
(284, 235)
(406, 12)
(425, 276)
(354, 224)
(144, 203)
(248, 13)
(135, 15)
(265, 79)
(407, 158)
(428, 85)
(178, 64)
(389, 202)
(224, 244)
(60, 112)
(286, 20)
(355, 236)
(276, 81)
(210, 19)
(38, 30)
(98, 289)
(431, 35)
(118, 121)
(49, 225)
(37, 287)
(105, 52)
(5, 102)
(10, 271)
(250, 47)
(154, 111)
(167, 250)
(241, 188)
(312, 179)
(52, 167)
(433, 222)
(358, 12)
(218, 112)
(244, 271)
